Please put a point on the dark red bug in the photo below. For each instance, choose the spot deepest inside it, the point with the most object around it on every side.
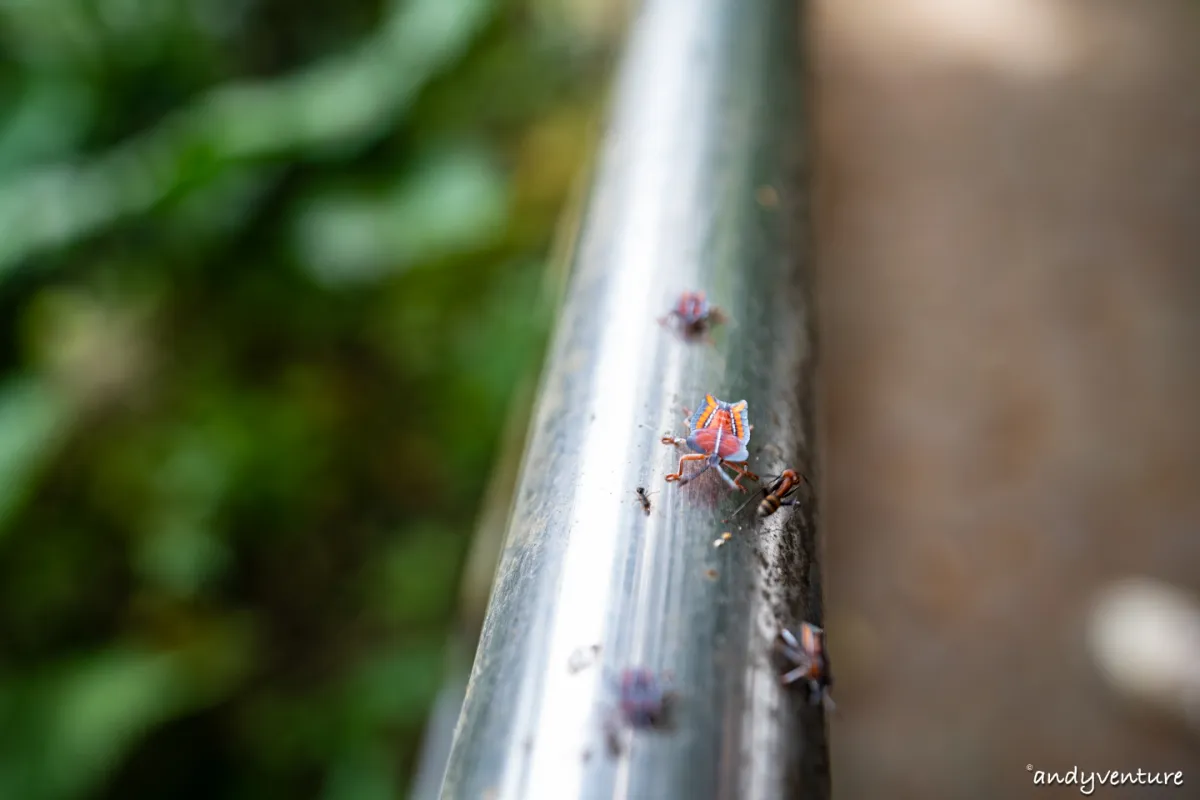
(810, 660)
(644, 699)
(693, 316)
(644, 702)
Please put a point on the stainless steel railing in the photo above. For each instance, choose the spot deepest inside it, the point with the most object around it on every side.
(700, 185)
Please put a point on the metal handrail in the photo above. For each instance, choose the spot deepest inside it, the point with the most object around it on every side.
(700, 186)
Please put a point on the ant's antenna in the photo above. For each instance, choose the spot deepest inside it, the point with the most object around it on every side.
(762, 490)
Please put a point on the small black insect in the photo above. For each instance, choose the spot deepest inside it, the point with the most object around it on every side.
(644, 498)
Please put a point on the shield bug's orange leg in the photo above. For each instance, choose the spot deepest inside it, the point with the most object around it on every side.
(740, 468)
(679, 469)
(742, 472)
(750, 475)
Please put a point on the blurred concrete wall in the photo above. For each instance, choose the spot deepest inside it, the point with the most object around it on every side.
(1008, 217)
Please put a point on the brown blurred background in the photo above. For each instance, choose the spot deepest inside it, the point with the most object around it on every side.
(1009, 226)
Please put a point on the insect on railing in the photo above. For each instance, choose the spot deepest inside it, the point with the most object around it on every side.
(623, 655)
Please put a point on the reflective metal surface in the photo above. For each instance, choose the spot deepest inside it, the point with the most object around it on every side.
(699, 187)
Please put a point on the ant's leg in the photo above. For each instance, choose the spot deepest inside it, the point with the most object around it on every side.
(679, 469)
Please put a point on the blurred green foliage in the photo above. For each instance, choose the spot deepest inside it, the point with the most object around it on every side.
(269, 274)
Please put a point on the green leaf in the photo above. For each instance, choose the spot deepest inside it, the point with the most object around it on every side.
(64, 728)
(61, 733)
(32, 419)
(365, 773)
(452, 203)
(339, 103)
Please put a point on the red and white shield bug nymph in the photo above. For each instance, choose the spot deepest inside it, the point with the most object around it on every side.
(719, 433)
(811, 661)
(693, 316)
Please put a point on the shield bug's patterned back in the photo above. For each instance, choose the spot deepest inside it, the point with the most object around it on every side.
(721, 428)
